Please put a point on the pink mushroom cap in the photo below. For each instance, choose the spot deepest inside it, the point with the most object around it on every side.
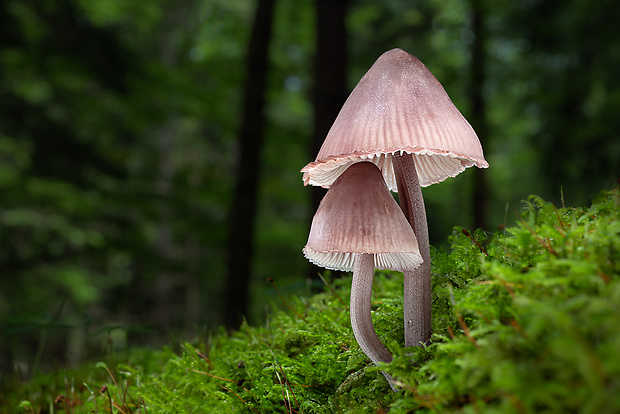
(398, 107)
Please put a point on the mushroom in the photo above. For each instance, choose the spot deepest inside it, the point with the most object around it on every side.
(400, 118)
(359, 226)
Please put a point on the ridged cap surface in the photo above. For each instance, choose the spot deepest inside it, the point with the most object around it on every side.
(359, 215)
(398, 106)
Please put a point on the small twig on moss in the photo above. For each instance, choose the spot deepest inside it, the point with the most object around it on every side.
(139, 404)
(68, 406)
(466, 329)
(468, 234)
(238, 396)
(121, 409)
(460, 319)
(104, 366)
(559, 219)
(518, 327)
(542, 242)
(204, 357)
(237, 383)
(104, 389)
(273, 282)
(211, 375)
(122, 390)
(507, 285)
(284, 393)
(451, 332)
(482, 315)
(288, 385)
(333, 291)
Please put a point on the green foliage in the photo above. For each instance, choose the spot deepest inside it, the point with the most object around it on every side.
(524, 321)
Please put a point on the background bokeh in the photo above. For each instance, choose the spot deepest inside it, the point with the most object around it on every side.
(122, 124)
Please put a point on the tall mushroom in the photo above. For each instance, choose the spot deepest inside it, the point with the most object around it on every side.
(359, 226)
(400, 118)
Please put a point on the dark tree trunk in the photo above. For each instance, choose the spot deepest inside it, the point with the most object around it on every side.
(243, 210)
(330, 83)
(478, 110)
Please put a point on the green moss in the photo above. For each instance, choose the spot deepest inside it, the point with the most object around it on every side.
(90, 388)
(524, 320)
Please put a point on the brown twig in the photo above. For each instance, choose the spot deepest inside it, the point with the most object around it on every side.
(238, 396)
(288, 384)
(544, 243)
(517, 326)
(483, 317)
(559, 219)
(451, 332)
(68, 406)
(468, 234)
(460, 319)
(122, 398)
(204, 357)
(507, 285)
(212, 376)
(104, 389)
(466, 329)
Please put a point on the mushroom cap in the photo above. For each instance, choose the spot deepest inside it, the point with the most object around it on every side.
(398, 107)
(359, 215)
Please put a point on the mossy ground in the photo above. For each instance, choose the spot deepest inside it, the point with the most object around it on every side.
(524, 320)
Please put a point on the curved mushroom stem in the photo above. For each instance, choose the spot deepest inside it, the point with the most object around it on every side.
(361, 320)
(417, 294)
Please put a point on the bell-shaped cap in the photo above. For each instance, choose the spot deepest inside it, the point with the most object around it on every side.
(359, 215)
(398, 107)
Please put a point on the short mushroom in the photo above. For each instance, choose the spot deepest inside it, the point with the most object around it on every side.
(400, 118)
(359, 226)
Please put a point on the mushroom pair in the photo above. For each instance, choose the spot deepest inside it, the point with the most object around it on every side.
(399, 118)
(359, 227)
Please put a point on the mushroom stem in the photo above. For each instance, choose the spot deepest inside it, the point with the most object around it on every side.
(361, 319)
(417, 294)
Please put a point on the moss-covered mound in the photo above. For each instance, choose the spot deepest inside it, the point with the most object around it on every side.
(524, 320)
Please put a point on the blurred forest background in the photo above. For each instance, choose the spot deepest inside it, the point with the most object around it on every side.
(150, 150)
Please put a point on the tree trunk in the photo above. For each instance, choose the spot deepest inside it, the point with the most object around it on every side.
(330, 83)
(243, 210)
(478, 110)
